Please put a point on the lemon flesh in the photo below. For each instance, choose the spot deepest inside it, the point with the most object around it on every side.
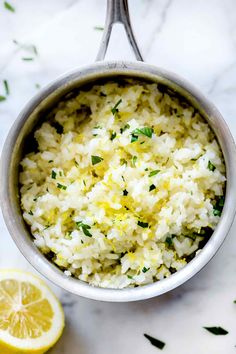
(31, 317)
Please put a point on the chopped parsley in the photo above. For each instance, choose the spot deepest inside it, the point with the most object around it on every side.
(34, 49)
(144, 131)
(142, 224)
(115, 110)
(210, 166)
(169, 241)
(9, 6)
(218, 331)
(61, 186)
(50, 161)
(47, 226)
(28, 59)
(85, 228)
(152, 186)
(127, 126)
(125, 192)
(54, 174)
(2, 98)
(153, 173)
(145, 270)
(156, 342)
(217, 210)
(113, 135)
(96, 159)
(129, 276)
(30, 212)
(133, 138)
(134, 160)
(123, 162)
(6, 86)
(29, 48)
(98, 28)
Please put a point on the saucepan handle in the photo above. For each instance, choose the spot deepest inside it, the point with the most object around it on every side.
(117, 12)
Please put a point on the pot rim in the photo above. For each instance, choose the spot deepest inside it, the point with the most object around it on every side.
(38, 260)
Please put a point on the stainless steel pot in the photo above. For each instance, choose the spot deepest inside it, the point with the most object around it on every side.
(117, 11)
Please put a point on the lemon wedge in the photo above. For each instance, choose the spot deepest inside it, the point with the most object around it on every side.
(31, 317)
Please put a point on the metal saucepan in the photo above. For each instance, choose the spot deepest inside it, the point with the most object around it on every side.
(117, 11)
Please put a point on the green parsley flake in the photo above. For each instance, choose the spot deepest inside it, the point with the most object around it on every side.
(152, 186)
(61, 186)
(169, 241)
(210, 166)
(2, 98)
(144, 225)
(153, 173)
(134, 160)
(113, 135)
(115, 110)
(9, 6)
(34, 49)
(127, 126)
(133, 138)
(98, 28)
(218, 331)
(54, 174)
(96, 159)
(155, 342)
(28, 59)
(84, 228)
(217, 210)
(145, 270)
(125, 192)
(31, 213)
(6, 86)
(143, 131)
(47, 226)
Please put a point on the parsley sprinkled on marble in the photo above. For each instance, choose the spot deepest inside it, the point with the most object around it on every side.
(8, 6)
(218, 331)
(154, 341)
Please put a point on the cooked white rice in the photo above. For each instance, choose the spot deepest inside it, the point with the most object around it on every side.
(136, 211)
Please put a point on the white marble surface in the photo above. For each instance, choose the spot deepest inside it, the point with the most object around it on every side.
(196, 39)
